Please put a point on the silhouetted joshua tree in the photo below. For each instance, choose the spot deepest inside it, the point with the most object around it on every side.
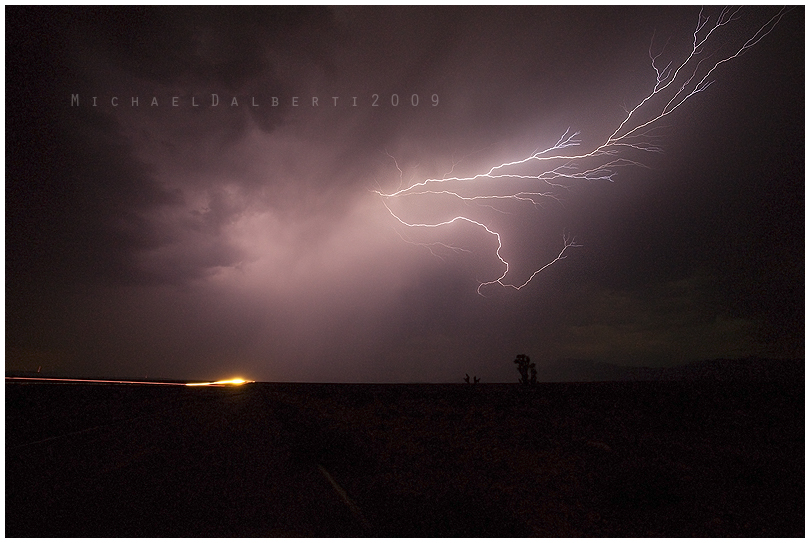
(525, 365)
(467, 378)
(476, 380)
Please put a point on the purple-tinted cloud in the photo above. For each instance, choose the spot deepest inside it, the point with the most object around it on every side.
(201, 240)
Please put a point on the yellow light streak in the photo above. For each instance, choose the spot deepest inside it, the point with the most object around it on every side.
(235, 382)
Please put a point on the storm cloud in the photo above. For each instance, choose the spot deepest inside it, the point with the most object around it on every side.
(190, 192)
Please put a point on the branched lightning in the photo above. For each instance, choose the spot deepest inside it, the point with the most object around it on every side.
(548, 170)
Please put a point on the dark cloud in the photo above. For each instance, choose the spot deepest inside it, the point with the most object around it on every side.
(234, 51)
(193, 240)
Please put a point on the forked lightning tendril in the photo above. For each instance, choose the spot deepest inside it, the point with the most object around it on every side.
(554, 168)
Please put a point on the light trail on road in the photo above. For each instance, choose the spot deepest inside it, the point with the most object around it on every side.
(225, 382)
(101, 381)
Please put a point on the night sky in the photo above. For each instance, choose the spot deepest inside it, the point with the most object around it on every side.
(208, 241)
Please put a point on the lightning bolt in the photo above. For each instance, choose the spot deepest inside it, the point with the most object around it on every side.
(542, 174)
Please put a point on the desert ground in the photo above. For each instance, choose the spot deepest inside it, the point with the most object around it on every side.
(624, 459)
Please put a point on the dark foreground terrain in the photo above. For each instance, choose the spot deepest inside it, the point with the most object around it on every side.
(585, 459)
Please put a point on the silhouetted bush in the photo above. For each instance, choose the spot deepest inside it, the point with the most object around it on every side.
(525, 367)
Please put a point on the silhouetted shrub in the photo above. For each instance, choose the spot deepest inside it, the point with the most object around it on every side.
(525, 366)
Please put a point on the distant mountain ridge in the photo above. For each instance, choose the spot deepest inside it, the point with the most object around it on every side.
(721, 369)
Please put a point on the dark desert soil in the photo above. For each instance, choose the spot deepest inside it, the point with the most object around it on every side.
(675, 459)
